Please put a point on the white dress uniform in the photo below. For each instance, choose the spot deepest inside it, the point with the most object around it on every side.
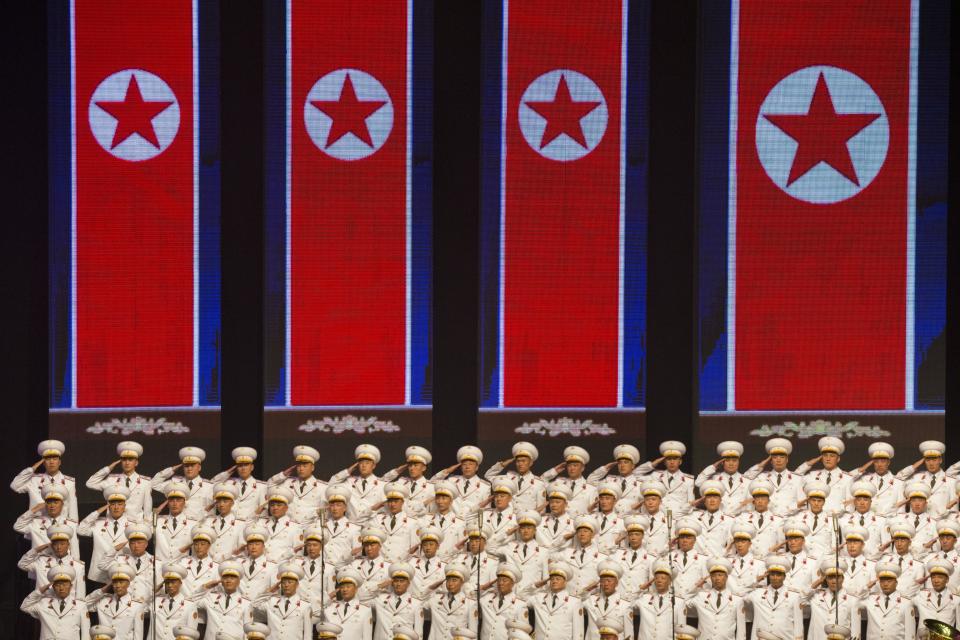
(600, 606)
(532, 561)
(820, 539)
(470, 492)
(769, 531)
(557, 615)
(355, 618)
(308, 496)
(173, 531)
(530, 488)
(450, 611)
(140, 583)
(657, 616)
(499, 522)
(172, 612)
(107, 533)
(250, 492)
(690, 568)
(610, 529)
(401, 533)
(912, 572)
(889, 617)
(637, 565)
(315, 581)
(860, 572)
(941, 485)
(229, 532)
(199, 572)
(888, 489)
(873, 524)
(373, 571)
(420, 490)
(33, 527)
(939, 605)
(823, 611)
(225, 613)
(283, 534)
(392, 610)
(583, 494)
(288, 618)
(427, 572)
(124, 614)
(497, 611)
(786, 488)
(33, 483)
(734, 484)
(452, 526)
(656, 540)
(342, 537)
(630, 485)
(554, 530)
(57, 622)
(801, 572)
(714, 532)
(584, 560)
(38, 564)
(744, 571)
(258, 575)
(140, 500)
(679, 493)
(720, 614)
(199, 490)
(776, 611)
(836, 480)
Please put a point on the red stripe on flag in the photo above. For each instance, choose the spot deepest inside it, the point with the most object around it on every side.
(134, 220)
(348, 218)
(821, 287)
(561, 219)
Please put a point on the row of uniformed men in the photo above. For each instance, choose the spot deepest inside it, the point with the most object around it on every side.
(365, 453)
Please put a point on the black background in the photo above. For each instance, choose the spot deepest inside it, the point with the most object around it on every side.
(672, 310)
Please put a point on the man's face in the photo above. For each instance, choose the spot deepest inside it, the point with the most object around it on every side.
(557, 583)
(558, 506)
(60, 547)
(902, 545)
(661, 581)
(245, 470)
(120, 587)
(862, 504)
(652, 503)
(718, 579)
(501, 500)
(918, 505)
(527, 532)
(731, 465)
(742, 545)
(201, 548)
(62, 588)
(635, 538)
(778, 461)
(947, 542)
(278, 509)
(673, 463)
(453, 584)
(468, 468)
(224, 505)
(834, 582)
(313, 548)
(712, 502)
(51, 464)
(574, 469)
(625, 466)
(584, 536)
(761, 503)
(129, 465)
(608, 585)
(504, 584)
(416, 469)
(175, 505)
(338, 509)
(255, 548)
(933, 464)
(523, 464)
(54, 508)
(230, 583)
(138, 546)
(172, 586)
(304, 470)
(816, 504)
(685, 542)
(371, 549)
(606, 502)
(854, 547)
(429, 548)
(395, 505)
(776, 578)
(288, 586)
(116, 508)
(348, 590)
(365, 467)
(830, 460)
(476, 544)
(881, 465)
(400, 585)
(191, 470)
(939, 581)
(795, 544)
(443, 502)
(888, 585)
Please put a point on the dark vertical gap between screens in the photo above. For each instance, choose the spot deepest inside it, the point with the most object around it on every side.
(457, 73)
(242, 113)
(672, 256)
(953, 254)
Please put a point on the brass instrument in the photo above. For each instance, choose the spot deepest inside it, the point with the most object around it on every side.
(941, 630)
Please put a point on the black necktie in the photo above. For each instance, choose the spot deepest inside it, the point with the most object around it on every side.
(741, 564)
(336, 524)
(393, 522)
(221, 524)
(115, 527)
(916, 522)
(274, 526)
(286, 607)
(251, 566)
(684, 558)
(313, 566)
(520, 484)
(901, 563)
(427, 567)
(524, 549)
(227, 603)
(138, 564)
(776, 594)
(660, 606)
(933, 481)
(606, 603)
(500, 603)
(190, 486)
(886, 603)
(760, 522)
(793, 563)
(243, 487)
(669, 480)
(833, 599)
(779, 478)
(398, 602)
(554, 606)
(474, 563)
(730, 482)
(853, 567)
(939, 601)
(63, 605)
(371, 566)
(634, 558)
(303, 485)
(556, 523)
(364, 483)
(173, 524)
(710, 521)
(170, 604)
(450, 600)
(603, 523)
(442, 518)
(499, 517)
(829, 475)
(128, 483)
(816, 520)
(719, 597)
(861, 520)
(623, 485)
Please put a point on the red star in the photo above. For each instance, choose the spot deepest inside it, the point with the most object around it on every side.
(349, 115)
(134, 115)
(822, 135)
(563, 115)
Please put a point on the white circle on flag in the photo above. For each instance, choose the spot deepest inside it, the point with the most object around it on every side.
(375, 126)
(793, 95)
(134, 92)
(557, 86)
